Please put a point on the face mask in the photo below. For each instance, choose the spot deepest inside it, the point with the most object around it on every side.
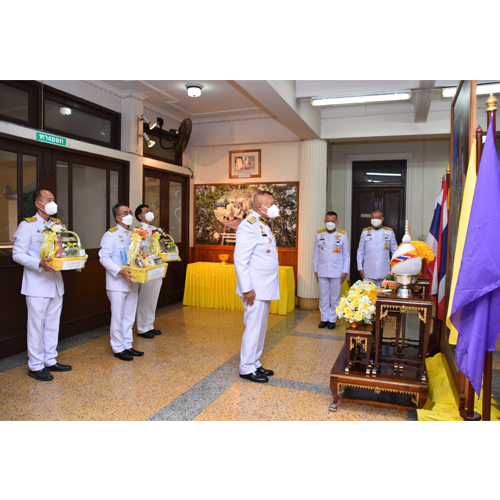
(330, 226)
(150, 216)
(272, 212)
(376, 222)
(127, 220)
(50, 208)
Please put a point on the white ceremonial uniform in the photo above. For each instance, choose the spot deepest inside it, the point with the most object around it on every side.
(331, 258)
(374, 252)
(148, 293)
(256, 265)
(44, 293)
(122, 294)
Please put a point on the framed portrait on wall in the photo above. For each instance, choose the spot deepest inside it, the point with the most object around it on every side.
(244, 163)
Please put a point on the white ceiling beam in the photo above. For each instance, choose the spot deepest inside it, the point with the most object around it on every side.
(423, 100)
(277, 98)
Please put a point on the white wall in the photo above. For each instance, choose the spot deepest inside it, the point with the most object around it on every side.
(426, 164)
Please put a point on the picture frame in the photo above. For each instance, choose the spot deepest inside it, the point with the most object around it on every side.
(245, 164)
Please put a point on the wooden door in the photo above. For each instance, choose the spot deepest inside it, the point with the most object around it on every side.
(382, 185)
(167, 195)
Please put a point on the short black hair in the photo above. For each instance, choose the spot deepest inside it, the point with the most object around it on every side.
(38, 194)
(116, 207)
(138, 211)
(378, 211)
(332, 213)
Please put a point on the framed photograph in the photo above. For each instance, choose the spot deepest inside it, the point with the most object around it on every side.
(220, 209)
(244, 164)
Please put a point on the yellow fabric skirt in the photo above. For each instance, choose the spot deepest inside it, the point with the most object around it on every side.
(441, 403)
(213, 285)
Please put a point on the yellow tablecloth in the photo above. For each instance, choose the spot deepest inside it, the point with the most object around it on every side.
(212, 285)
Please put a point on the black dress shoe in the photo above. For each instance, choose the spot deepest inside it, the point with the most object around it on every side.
(133, 352)
(323, 324)
(255, 377)
(266, 373)
(124, 356)
(156, 332)
(331, 326)
(146, 335)
(43, 375)
(58, 368)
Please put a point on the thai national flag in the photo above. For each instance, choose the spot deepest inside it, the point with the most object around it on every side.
(442, 253)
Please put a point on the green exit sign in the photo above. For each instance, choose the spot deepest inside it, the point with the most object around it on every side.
(52, 139)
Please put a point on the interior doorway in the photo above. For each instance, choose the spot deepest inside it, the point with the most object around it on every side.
(376, 184)
(167, 196)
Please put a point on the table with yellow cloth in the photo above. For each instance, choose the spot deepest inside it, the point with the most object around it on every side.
(213, 285)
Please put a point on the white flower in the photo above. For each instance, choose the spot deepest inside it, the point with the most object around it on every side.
(57, 228)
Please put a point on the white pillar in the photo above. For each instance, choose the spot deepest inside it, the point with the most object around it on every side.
(312, 209)
(131, 109)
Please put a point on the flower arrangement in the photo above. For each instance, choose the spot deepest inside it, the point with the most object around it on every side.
(55, 227)
(142, 233)
(389, 282)
(424, 250)
(357, 305)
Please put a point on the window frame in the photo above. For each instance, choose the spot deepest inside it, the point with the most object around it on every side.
(34, 112)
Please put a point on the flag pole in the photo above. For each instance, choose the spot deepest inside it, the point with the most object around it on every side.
(488, 360)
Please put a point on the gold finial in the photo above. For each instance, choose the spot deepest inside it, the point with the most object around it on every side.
(491, 102)
(448, 169)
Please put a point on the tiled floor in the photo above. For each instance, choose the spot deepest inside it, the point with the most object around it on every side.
(190, 373)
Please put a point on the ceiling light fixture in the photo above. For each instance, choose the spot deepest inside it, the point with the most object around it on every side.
(360, 98)
(387, 175)
(65, 111)
(194, 89)
(152, 125)
(146, 138)
(481, 89)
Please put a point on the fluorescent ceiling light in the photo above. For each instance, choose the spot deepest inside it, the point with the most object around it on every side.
(360, 99)
(391, 175)
(481, 89)
(448, 92)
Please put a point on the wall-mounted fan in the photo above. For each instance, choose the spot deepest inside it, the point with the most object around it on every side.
(178, 138)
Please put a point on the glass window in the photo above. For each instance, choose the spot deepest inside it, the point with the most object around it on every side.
(75, 122)
(152, 198)
(379, 172)
(157, 151)
(8, 200)
(29, 184)
(175, 210)
(89, 204)
(62, 198)
(14, 103)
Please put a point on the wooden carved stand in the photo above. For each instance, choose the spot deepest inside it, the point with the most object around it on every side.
(371, 362)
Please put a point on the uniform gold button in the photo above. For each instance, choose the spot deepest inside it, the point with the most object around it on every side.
(268, 250)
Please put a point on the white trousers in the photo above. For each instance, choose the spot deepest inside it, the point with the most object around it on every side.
(44, 314)
(377, 282)
(146, 307)
(252, 342)
(329, 298)
(123, 308)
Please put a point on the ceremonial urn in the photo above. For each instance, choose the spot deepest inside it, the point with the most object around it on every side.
(406, 265)
(223, 258)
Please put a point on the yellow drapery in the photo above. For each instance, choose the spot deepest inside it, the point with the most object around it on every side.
(212, 285)
(154, 245)
(49, 245)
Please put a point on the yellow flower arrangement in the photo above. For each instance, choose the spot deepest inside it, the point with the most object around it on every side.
(358, 303)
(424, 250)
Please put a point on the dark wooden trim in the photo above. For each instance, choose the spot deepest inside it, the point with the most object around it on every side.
(33, 90)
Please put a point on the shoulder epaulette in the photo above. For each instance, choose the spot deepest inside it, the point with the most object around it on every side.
(264, 221)
(113, 229)
(341, 231)
(55, 220)
(30, 219)
(367, 228)
(320, 230)
(251, 219)
(388, 228)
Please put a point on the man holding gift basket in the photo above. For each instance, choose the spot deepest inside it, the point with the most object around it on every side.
(149, 291)
(43, 287)
(122, 293)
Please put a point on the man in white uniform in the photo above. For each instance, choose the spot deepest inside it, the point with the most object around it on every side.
(43, 287)
(331, 261)
(376, 245)
(256, 265)
(121, 289)
(148, 292)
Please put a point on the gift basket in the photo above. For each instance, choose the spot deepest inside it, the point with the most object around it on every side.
(63, 247)
(168, 249)
(389, 284)
(146, 263)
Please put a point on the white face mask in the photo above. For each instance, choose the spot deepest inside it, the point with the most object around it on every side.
(272, 212)
(376, 222)
(127, 220)
(50, 208)
(330, 226)
(150, 216)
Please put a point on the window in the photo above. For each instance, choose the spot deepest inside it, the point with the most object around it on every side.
(157, 152)
(19, 102)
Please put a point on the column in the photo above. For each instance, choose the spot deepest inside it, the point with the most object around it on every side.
(131, 109)
(312, 209)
